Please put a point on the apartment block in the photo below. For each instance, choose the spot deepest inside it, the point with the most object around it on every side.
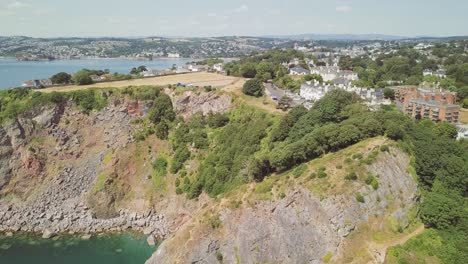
(434, 104)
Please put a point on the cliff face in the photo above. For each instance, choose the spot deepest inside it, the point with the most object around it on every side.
(189, 103)
(6, 150)
(303, 227)
(63, 170)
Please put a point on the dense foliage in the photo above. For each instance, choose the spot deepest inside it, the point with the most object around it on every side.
(14, 102)
(61, 78)
(228, 162)
(253, 87)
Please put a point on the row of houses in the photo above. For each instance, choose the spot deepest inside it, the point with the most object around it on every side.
(328, 73)
(440, 73)
(313, 90)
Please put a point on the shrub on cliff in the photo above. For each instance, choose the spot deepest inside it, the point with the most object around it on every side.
(61, 78)
(253, 87)
(89, 99)
(82, 77)
(162, 109)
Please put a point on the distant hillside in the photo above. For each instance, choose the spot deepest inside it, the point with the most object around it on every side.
(340, 37)
(355, 37)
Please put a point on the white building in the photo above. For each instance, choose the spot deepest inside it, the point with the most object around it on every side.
(173, 55)
(218, 67)
(298, 70)
(438, 73)
(313, 91)
(330, 73)
(462, 132)
(182, 69)
(151, 73)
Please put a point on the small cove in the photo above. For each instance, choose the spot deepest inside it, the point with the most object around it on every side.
(121, 248)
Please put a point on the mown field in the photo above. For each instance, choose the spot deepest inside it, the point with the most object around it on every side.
(195, 79)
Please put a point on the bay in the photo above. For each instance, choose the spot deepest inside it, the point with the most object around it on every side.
(125, 248)
(13, 73)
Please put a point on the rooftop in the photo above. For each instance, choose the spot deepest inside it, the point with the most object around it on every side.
(432, 103)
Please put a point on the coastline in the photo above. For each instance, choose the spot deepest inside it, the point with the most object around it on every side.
(13, 72)
(100, 58)
(106, 248)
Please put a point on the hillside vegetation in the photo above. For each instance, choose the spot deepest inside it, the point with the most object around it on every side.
(220, 153)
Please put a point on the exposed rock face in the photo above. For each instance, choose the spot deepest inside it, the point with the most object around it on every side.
(301, 228)
(5, 154)
(54, 175)
(190, 103)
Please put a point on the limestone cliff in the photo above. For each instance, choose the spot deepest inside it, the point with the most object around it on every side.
(63, 170)
(306, 226)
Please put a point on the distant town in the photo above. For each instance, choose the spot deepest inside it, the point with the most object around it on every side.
(424, 78)
(35, 49)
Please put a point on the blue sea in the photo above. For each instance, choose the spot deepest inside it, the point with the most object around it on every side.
(13, 73)
(122, 248)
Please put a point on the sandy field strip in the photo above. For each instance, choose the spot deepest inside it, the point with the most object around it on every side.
(196, 79)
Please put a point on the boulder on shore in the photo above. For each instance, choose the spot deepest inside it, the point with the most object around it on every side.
(47, 234)
(151, 241)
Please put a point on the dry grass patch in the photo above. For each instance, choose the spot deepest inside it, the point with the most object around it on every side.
(196, 79)
(463, 118)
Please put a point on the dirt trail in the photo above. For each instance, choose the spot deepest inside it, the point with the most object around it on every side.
(379, 250)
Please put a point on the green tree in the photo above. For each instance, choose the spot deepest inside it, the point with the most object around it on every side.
(162, 130)
(314, 76)
(394, 131)
(162, 109)
(83, 77)
(346, 63)
(61, 78)
(465, 103)
(217, 120)
(462, 92)
(430, 78)
(441, 208)
(446, 129)
(248, 70)
(253, 87)
(265, 70)
(389, 93)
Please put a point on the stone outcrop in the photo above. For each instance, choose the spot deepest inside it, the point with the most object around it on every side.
(190, 103)
(300, 228)
(50, 202)
(6, 150)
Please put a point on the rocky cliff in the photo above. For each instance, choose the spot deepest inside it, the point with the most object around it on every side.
(62, 170)
(305, 226)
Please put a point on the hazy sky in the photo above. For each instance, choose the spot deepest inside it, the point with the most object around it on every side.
(52, 18)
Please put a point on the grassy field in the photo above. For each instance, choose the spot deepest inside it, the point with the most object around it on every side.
(229, 84)
(463, 116)
(195, 79)
(264, 103)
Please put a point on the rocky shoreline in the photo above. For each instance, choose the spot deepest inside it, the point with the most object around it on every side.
(60, 208)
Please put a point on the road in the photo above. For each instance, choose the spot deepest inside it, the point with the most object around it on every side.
(275, 92)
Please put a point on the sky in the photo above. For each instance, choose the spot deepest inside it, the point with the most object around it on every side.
(197, 18)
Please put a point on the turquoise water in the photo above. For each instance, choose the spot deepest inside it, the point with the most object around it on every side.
(13, 73)
(106, 249)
